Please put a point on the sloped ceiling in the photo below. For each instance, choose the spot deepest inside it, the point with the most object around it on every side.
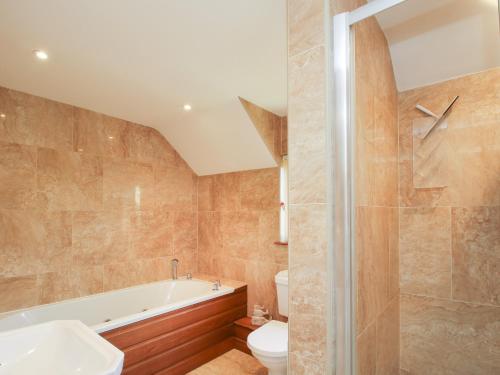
(143, 60)
(432, 41)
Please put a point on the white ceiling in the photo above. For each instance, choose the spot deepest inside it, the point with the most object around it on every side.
(143, 60)
(435, 40)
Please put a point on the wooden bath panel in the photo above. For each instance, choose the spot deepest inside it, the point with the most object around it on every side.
(182, 340)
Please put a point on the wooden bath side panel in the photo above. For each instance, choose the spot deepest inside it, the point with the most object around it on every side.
(179, 341)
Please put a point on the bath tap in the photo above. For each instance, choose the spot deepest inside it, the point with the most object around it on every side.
(216, 285)
(174, 262)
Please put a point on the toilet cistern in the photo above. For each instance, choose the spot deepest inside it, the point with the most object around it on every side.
(269, 343)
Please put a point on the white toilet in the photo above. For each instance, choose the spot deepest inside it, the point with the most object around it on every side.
(269, 343)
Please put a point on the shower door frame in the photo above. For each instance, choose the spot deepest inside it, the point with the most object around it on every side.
(342, 132)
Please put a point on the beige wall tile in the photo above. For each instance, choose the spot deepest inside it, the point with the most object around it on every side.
(259, 189)
(18, 176)
(230, 363)
(151, 233)
(377, 200)
(305, 25)
(99, 134)
(75, 282)
(425, 251)
(122, 275)
(307, 269)
(18, 292)
(240, 231)
(147, 145)
(411, 197)
(185, 231)
(33, 241)
(84, 193)
(69, 181)
(206, 193)
(100, 237)
(268, 234)
(210, 233)
(128, 185)
(472, 134)
(175, 188)
(186, 241)
(261, 286)
(238, 223)
(373, 262)
(366, 343)
(306, 126)
(476, 254)
(388, 339)
(447, 337)
(35, 121)
(452, 335)
(307, 346)
(231, 199)
(268, 125)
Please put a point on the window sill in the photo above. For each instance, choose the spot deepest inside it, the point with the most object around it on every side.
(281, 243)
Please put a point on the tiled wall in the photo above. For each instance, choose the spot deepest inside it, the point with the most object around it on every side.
(88, 203)
(450, 237)
(377, 252)
(270, 127)
(238, 225)
(308, 294)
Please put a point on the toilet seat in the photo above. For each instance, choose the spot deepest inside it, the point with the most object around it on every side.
(270, 340)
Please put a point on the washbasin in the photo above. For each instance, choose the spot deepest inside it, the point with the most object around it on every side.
(56, 348)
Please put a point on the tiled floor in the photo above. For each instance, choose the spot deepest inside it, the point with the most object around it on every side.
(233, 362)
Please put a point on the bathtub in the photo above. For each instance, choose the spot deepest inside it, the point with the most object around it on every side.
(110, 310)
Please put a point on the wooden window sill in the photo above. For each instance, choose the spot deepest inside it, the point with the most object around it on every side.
(281, 243)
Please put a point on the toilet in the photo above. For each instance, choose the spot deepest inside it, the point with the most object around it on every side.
(269, 343)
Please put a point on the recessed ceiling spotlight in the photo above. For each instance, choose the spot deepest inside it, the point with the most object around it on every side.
(111, 137)
(41, 55)
(187, 107)
(2, 115)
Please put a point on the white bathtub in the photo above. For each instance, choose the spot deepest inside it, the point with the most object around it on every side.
(106, 311)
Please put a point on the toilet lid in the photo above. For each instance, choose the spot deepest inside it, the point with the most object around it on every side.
(270, 340)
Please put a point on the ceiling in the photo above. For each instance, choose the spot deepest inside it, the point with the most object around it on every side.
(143, 60)
(432, 41)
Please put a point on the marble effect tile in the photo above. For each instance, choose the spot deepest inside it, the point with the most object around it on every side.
(268, 126)
(32, 120)
(88, 203)
(476, 254)
(425, 251)
(306, 126)
(34, 241)
(18, 292)
(473, 136)
(128, 185)
(233, 362)
(305, 25)
(448, 338)
(18, 176)
(69, 181)
(238, 223)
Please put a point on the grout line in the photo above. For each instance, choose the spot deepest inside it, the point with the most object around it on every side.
(450, 300)
(321, 45)
(451, 253)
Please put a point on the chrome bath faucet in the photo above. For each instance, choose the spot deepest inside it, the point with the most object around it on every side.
(174, 263)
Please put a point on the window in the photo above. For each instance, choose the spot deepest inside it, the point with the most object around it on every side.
(284, 200)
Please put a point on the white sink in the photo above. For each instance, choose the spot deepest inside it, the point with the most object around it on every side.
(60, 347)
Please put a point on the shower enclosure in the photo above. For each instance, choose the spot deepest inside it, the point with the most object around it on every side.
(415, 136)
